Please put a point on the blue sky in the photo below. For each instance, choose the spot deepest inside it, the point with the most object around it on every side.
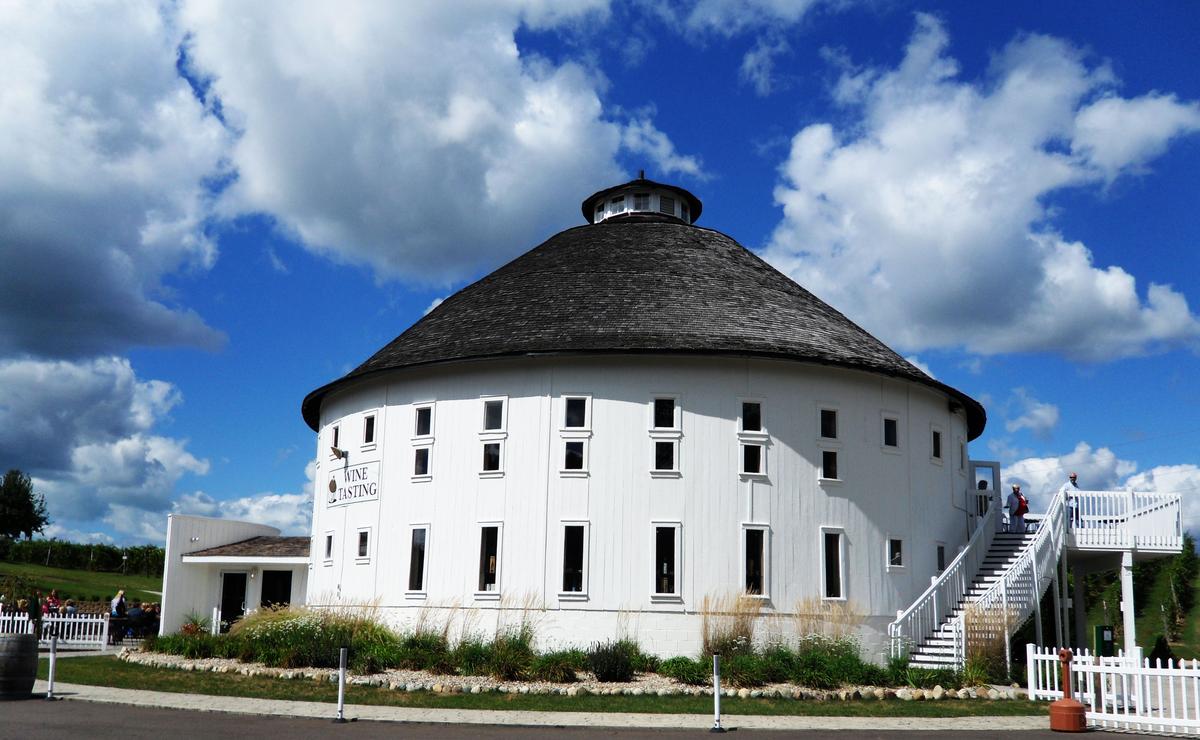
(207, 210)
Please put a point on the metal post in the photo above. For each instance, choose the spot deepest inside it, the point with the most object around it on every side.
(341, 710)
(716, 695)
(53, 659)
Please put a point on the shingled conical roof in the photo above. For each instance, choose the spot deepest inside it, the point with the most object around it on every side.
(642, 284)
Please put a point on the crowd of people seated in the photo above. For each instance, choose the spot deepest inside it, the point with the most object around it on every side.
(137, 620)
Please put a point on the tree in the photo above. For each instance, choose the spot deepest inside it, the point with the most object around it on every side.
(22, 511)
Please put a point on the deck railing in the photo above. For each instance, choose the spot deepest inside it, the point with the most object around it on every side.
(946, 590)
(1125, 520)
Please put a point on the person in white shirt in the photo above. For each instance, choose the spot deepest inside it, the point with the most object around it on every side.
(1071, 501)
(1017, 506)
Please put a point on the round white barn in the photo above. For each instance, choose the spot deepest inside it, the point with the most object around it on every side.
(635, 415)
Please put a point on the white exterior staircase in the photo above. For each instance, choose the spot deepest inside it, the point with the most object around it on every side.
(1003, 576)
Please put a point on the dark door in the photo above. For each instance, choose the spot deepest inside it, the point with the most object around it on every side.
(233, 598)
(276, 588)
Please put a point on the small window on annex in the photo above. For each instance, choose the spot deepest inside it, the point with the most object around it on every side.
(755, 561)
(416, 560)
(664, 413)
(937, 445)
(829, 464)
(575, 413)
(664, 561)
(489, 543)
(424, 422)
(421, 461)
(369, 430)
(573, 543)
(832, 543)
(891, 432)
(491, 456)
(752, 459)
(895, 553)
(829, 424)
(493, 416)
(751, 416)
(664, 456)
(364, 538)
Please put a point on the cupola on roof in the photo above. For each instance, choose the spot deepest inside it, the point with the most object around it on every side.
(638, 280)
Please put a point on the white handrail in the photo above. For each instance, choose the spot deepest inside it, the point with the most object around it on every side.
(927, 611)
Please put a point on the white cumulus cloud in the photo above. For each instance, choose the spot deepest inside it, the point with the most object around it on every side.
(925, 218)
(1039, 417)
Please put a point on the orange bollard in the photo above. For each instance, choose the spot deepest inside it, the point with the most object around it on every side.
(1067, 714)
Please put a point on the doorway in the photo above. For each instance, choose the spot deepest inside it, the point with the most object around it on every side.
(276, 588)
(233, 598)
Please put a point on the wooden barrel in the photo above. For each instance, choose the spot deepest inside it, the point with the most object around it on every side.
(18, 666)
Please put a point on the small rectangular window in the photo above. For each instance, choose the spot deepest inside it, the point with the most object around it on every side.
(576, 413)
(937, 445)
(574, 456)
(895, 553)
(424, 425)
(489, 542)
(666, 205)
(572, 559)
(962, 456)
(891, 433)
(751, 416)
(684, 213)
(829, 465)
(618, 203)
(829, 425)
(664, 413)
(363, 542)
(493, 415)
(421, 461)
(416, 561)
(336, 435)
(755, 561)
(329, 547)
(664, 560)
(664, 455)
(641, 201)
(491, 456)
(369, 430)
(833, 565)
(941, 558)
(752, 459)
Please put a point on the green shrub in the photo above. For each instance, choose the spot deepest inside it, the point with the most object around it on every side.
(897, 671)
(511, 655)
(744, 671)
(642, 662)
(471, 657)
(611, 661)
(778, 664)
(927, 678)
(425, 651)
(686, 670)
(827, 663)
(557, 667)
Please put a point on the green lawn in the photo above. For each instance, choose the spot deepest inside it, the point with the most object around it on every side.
(82, 585)
(108, 671)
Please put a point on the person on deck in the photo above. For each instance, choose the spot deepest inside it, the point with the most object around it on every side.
(1070, 499)
(1018, 507)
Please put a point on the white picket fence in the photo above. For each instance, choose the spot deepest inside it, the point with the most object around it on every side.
(1122, 693)
(76, 630)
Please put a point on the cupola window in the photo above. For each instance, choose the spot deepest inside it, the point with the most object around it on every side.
(641, 201)
(666, 205)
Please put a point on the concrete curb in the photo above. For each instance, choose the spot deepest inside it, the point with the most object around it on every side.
(283, 708)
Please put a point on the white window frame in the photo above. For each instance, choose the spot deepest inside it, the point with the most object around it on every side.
(821, 479)
(566, 472)
(762, 417)
(330, 543)
(887, 554)
(673, 435)
(677, 595)
(587, 413)
(335, 436)
(939, 459)
(841, 532)
(424, 438)
(760, 438)
(363, 559)
(428, 475)
(499, 472)
(587, 541)
(574, 434)
(483, 401)
(424, 590)
(884, 417)
(962, 456)
(837, 424)
(374, 443)
(766, 560)
(490, 595)
(762, 458)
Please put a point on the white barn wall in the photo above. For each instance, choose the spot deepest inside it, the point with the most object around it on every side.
(882, 494)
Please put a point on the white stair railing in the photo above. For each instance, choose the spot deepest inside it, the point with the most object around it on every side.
(944, 593)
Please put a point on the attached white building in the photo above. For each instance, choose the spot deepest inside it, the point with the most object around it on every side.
(630, 417)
